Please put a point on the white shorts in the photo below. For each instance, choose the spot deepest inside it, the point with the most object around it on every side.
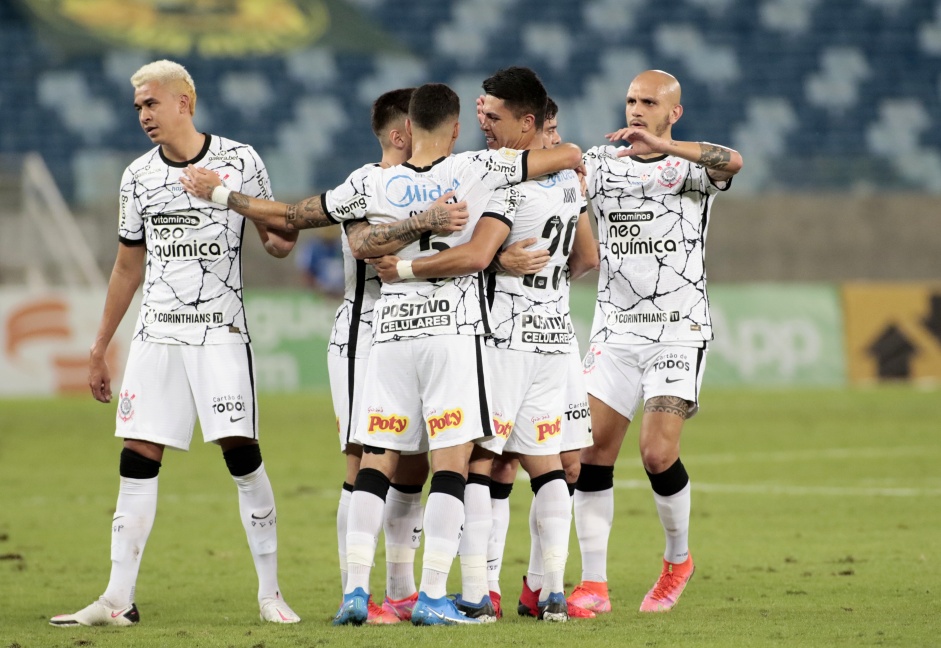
(166, 386)
(576, 420)
(528, 401)
(425, 390)
(621, 375)
(347, 377)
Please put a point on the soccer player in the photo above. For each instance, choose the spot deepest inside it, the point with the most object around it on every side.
(427, 330)
(576, 421)
(649, 337)
(191, 345)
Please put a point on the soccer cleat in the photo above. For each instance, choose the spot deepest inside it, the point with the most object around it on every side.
(576, 612)
(590, 595)
(401, 608)
(666, 591)
(377, 615)
(275, 610)
(529, 601)
(483, 611)
(99, 613)
(354, 610)
(555, 608)
(439, 611)
(495, 599)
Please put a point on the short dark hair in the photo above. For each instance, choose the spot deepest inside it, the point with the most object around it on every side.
(521, 91)
(388, 107)
(432, 104)
(552, 108)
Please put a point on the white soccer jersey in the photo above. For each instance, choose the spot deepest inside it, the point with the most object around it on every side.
(423, 307)
(531, 313)
(352, 329)
(652, 218)
(193, 282)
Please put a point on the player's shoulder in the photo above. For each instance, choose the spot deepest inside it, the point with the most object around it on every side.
(223, 149)
(149, 162)
(603, 152)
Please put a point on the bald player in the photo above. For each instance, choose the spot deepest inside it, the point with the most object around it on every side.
(653, 202)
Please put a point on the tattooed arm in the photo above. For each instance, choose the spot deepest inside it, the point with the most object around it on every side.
(379, 239)
(305, 214)
(721, 162)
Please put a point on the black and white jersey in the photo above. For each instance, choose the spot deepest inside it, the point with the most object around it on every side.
(352, 329)
(193, 282)
(652, 219)
(531, 313)
(424, 307)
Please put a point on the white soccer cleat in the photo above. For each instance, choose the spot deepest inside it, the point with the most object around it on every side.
(99, 613)
(276, 610)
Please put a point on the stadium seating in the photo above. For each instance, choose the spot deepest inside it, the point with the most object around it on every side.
(817, 94)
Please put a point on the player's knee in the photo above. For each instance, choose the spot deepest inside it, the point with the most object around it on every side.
(136, 466)
(669, 481)
(594, 478)
(572, 466)
(243, 460)
(500, 490)
(372, 481)
(448, 482)
(658, 457)
(538, 482)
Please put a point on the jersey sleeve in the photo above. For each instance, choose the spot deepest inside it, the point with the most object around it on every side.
(503, 205)
(130, 221)
(496, 169)
(352, 199)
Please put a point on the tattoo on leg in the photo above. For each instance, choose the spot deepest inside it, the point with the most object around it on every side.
(714, 157)
(668, 405)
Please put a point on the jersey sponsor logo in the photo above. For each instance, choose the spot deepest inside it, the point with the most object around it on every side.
(577, 411)
(664, 364)
(500, 167)
(669, 175)
(152, 316)
(447, 420)
(556, 178)
(141, 172)
(658, 317)
(502, 429)
(347, 208)
(545, 329)
(547, 429)
(392, 423)
(187, 250)
(630, 217)
(126, 406)
(223, 157)
(411, 316)
(508, 153)
(569, 195)
(184, 220)
(228, 405)
(404, 190)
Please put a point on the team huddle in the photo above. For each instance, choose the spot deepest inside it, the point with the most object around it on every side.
(458, 268)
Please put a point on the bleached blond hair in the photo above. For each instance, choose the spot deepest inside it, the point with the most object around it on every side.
(170, 73)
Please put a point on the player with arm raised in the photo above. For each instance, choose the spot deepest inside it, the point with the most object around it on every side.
(653, 203)
(190, 346)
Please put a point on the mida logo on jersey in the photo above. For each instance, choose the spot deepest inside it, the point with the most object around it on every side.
(403, 190)
(556, 178)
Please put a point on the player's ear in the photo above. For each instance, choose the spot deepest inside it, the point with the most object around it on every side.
(408, 126)
(676, 113)
(457, 131)
(529, 123)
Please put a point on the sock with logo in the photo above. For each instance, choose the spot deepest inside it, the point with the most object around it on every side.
(343, 513)
(553, 520)
(259, 516)
(367, 505)
(594, 516)
(133, 519)
(402, 525)
(672, 496)
(444, 516)
(473, 547)
(500, 510)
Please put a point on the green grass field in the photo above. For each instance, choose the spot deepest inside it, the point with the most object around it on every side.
(816, 522)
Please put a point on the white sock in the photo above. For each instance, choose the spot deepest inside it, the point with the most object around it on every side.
(362, 536)
(259, 517)
(594, 516)
(444, 515)
(535, 571)
(402, 525)
(500, 509)
(343, 514)
(133, 519)
(554, 521)
(674, 516)
(473, 547)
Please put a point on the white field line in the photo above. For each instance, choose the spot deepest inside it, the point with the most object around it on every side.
(814, 455)
(784, 489)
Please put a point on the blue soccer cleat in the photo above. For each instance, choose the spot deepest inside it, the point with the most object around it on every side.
(554, 608)
(354, 609)
(440, 611)
(483, 610)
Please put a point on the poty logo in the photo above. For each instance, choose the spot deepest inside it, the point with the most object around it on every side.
(403, 190)
(548, 429)
(449, 419)
(502, 428)
(392, 423)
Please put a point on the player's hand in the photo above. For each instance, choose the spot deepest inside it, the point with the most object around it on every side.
(280, 243)
(444, 217)
(386, 268)
(199, 182)
(517, 260)
(480, 111)
(99, 378)
(642, 141)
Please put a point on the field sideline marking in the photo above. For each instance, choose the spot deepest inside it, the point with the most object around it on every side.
(810, 455)
(783, 489)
